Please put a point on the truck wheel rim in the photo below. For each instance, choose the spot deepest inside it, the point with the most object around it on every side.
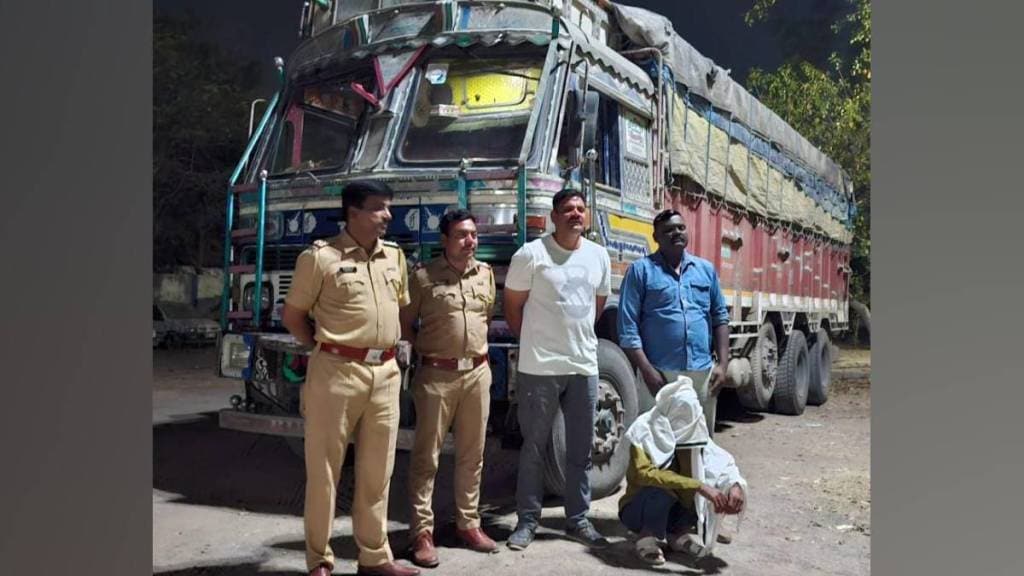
(769, 362)
(609, 425)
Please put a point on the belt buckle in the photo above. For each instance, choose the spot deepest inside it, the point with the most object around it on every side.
(373, 356)
(465, 364)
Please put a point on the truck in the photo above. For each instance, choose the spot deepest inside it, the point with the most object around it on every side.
(495, 107)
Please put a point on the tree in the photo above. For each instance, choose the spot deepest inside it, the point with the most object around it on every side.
(831, 107)
(200, 116)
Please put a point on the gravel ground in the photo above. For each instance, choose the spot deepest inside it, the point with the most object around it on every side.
(227, 503)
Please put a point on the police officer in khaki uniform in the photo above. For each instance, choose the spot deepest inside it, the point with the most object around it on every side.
(452, 296)
(353, 286)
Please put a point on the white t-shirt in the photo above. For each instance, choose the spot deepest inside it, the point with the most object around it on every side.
(558, 320)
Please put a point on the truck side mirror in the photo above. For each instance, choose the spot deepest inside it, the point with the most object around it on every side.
(587, 114)
(580, 125)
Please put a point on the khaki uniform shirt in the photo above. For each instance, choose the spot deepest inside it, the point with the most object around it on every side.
(354, 297)
(454, 309)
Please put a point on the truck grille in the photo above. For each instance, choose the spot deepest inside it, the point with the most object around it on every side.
(284, 282)
(274, 257)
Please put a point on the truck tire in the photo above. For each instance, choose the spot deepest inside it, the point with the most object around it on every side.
(764, 363)
(616, 410)
(820, 354)
(862, 325)
(793, 377)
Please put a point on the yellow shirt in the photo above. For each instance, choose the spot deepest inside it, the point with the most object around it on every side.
(454, 308)
(642, 472)
(353, 296)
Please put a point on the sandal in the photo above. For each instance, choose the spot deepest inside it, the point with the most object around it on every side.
(687, 545)
(648, 550)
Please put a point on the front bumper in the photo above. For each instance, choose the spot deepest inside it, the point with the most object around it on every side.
(292, 426)
(232, 419)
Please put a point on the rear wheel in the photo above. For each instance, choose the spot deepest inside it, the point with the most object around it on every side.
(764, 363)
(794, 376)
(820, 354)
(860, 323)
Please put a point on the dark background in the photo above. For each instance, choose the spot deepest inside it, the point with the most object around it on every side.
(211, 59)
(796, 29)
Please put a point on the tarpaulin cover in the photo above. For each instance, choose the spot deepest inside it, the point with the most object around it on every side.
(734, 146)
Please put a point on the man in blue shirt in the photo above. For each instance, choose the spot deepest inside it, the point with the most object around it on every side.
(671, 312)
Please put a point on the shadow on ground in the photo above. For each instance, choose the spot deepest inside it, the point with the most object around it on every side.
(200, 463)
(621, 553)
(731, 411)
(245, 569)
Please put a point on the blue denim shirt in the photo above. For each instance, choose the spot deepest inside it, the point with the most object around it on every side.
(671, 317)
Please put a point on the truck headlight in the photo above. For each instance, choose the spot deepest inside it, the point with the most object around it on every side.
(234, 355)
(266, 293)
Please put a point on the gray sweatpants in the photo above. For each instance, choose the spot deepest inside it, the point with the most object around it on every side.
(539, 399)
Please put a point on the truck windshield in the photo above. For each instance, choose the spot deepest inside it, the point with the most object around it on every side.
(475, 109)
(319, 129)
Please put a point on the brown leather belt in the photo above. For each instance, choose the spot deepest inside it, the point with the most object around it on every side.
(455, 364)
(367, 355)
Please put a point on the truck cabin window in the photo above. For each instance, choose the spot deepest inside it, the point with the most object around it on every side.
(470, 109)
(608, 148)
(607, 166)
(320, 129)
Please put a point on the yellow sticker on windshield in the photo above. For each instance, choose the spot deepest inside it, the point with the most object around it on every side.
(511, 91)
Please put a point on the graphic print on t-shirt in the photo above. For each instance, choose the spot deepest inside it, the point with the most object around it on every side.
(575, 290)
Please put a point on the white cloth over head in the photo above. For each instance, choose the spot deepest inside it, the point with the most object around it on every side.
(676, 421)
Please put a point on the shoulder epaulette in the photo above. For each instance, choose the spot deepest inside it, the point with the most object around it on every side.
(390, 244)
(483, 264)
(320, 243)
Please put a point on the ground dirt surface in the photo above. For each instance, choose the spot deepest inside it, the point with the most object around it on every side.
(229, 503)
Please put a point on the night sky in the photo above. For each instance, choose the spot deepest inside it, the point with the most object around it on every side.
(263, 29)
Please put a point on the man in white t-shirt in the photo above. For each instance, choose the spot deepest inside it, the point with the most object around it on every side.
(555, 291)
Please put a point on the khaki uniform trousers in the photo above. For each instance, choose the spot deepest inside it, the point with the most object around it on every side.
(342, 397)
(448, 399)
(701, 383)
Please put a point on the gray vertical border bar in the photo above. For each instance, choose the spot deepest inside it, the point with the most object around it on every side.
(76, 431)
(947, 389)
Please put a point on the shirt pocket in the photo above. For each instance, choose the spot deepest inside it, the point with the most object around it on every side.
(698, 322)
(447, 296)
(664, 294)
(392, 282)
(348, 289)
(479, 298)
(700, 296)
